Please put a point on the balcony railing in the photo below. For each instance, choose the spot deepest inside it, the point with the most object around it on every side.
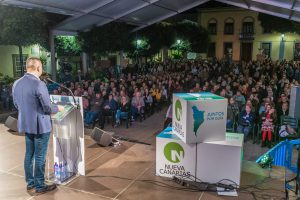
(246, 36)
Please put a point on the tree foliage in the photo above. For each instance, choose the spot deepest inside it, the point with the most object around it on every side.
(23, 27)
(105, 39)
(278, 24)
(117, 36)
(194, 34)
(67, 46)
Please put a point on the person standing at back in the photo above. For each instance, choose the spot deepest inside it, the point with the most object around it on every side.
(32, 100)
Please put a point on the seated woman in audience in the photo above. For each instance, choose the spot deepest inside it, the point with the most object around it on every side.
(123, 110)
(232, 112)
(268, 118)
(246, 121)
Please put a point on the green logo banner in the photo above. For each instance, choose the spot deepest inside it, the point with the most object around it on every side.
(178, 110)
(174, 152)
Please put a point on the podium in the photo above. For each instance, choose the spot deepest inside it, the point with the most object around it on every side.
(68, 139)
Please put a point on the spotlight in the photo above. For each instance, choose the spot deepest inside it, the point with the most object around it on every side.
(266, 161)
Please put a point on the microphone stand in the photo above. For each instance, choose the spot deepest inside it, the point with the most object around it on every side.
(70, 91)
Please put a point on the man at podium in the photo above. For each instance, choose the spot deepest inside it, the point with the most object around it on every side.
(31, 98)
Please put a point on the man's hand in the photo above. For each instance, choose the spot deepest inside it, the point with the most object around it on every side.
(61, 108)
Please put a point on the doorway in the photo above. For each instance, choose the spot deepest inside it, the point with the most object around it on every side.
(246, 51)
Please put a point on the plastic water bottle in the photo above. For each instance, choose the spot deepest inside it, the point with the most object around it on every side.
(60, 171)
(56, 171)
(63, 170)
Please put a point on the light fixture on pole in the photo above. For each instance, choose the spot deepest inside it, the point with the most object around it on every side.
(282, 37)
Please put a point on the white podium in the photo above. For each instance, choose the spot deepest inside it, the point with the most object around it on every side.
(68, 139)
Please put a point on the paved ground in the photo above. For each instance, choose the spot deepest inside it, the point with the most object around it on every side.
(126, 172)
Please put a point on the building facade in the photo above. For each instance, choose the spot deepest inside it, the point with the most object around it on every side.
(236, 33)
(10, 61)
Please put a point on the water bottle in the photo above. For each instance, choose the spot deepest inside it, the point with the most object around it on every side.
(63, 170)
(56, 171)
(60, 171)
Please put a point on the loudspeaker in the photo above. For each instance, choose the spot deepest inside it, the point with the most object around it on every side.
(102, 137)
(294, 110)
(12, 123)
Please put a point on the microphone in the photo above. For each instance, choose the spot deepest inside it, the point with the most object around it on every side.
(62, 86)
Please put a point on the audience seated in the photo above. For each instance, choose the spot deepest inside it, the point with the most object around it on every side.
(268, 118)
(95, 105)
(252, 85)
(137, 106)
(123, 111)
(108, 108)
(232, 113)
(246, 121)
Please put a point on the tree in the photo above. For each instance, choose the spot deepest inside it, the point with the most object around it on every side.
(196, 35)
(180, 47)
(278, 24)
(23, 27)
(67, 46)
(105, 39)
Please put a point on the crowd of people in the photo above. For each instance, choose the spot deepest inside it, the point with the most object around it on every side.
(257, 91)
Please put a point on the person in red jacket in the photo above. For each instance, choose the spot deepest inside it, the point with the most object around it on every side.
(268, 118)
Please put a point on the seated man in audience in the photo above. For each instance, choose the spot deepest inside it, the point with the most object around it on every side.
(92, 114)
(232, 112)
(246, 121)
(137, 106)
(283, 111)
(109, 108)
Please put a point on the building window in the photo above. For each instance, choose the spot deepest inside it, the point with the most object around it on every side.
(211, 50)
(266, 46)
(229, 26)
(17, 65)
(248, 27)
(212, 27)
(228, 49)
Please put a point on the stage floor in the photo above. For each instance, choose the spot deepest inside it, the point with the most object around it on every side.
(127, 172)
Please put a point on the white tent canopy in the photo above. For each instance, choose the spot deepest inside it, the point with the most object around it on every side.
(85, 14)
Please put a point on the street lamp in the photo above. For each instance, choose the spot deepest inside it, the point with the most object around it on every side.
(138, 42)
(282, 37)
(177, 46)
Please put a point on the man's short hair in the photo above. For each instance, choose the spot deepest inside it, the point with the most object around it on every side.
(32, 62)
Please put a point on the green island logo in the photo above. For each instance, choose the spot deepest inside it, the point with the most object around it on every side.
(178, 110)
(174, 152)
(198, 116)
